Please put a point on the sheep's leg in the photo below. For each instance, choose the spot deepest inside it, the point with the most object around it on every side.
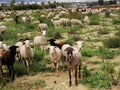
(70, 82)
(76, 83)
(80, 72)
(27, 65)
(1, 73)
(9, 69)
(13, 74)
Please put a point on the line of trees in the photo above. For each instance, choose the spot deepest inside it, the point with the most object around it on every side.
(23, 6)
(102, 2)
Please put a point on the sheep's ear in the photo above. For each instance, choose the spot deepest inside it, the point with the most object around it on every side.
(75, 43)
(23, 43)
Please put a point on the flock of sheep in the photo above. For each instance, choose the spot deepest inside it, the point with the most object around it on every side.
(24, 52)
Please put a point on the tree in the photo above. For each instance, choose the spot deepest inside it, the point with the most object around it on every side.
(100, 2)
(12, 4)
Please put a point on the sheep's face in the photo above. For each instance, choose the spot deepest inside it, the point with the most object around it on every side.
(79, 44)
(43, 32)
(52, 50)
(27, 43)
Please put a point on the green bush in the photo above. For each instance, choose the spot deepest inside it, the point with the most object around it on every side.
(20, 69)
(86, 72)
(104, 31)
(41, 83)
(39, 54)
(106, 53)
(54, 33)
(88, 52)
(112, 42)
(98, 80)
(116, 21)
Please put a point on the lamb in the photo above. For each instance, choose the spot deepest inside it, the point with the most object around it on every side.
(74, 61)
(55, 55)
(7, 57)
(2, 29)
(40, 41)
(43, 26)
(86, 20)
(27, 53)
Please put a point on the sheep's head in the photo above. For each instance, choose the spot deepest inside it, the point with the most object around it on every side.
(69, 53)
(78, 44)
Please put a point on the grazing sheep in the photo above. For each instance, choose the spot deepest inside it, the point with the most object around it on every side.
(86, 20)
(56, 23)
(43, 26)
(55, 56)
(2, 29)
(26, 53)
(75, 22)
(7, 57)
(74, 61)
(59, 45)
(40, 41)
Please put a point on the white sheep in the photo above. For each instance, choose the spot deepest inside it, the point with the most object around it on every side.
(43, 26)
(19, 44)
(55, 56)
(2, 29)
(40, 41)
(86, 20)
(75, 22)
(27, 53)
(56, 23)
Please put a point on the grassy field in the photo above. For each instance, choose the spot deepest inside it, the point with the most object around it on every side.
(101, 50)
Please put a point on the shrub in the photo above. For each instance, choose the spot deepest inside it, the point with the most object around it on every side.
(116, 21)
(103, 31)
(54, 33)
(112, 42)
(106, 53)
(20, 69)
(39, 54)
(88, 52)
(86, 72)
(100, 79)
(41, 83)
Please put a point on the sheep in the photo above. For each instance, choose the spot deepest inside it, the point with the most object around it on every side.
(74, 61)
(3, 46)
(7, 57)
(19, 44)
(59, 45)
(25, 19)
(75, 22)
(86, 20)
(77, 46)
(43, 26)
(26, 53)
(40, 41)
(56, 23)
(2, 29)
(55, 56)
